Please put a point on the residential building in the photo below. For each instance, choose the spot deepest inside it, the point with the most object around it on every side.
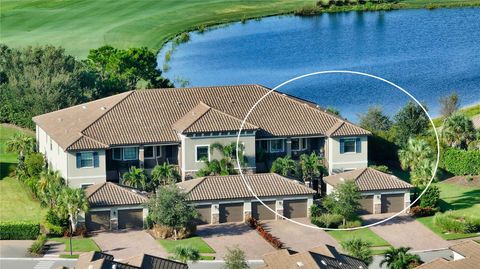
(465, 255)
(98, 141)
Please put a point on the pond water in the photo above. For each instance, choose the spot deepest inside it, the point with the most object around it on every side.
(430, 53)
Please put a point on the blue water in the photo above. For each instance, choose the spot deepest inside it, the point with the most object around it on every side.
(430, 53)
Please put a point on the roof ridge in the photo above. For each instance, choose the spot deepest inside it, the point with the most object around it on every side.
(231, 116)
(361, 173)
(200, 181)
(98, 188)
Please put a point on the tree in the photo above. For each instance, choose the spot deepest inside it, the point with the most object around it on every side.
(410, 121)
(170, 207)
(375, 120)
(229, 152)
(34, 164)
(50, 187)
(333, 111)
(185, 253)
(399, 258)
(311, 166)
(284, 166)
(431, 197)
(458, 131)
(359, 249)
(226, 164)
(70, 203)
(344, 200)
(449, 104)
(235, 259)
(20, 144)
(164, 174)
(120, 70)
(135, 177)
(418, 157)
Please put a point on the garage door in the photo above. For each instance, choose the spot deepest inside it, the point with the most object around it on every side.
(231, 212)
(130, 219)
(97, 220)
(295, 208)
(366, 205)
(205, 214)
(392, 203)
(260, 212)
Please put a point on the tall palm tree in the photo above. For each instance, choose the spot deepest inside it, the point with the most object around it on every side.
(399, 258)
(70, 203)
(284, 166)
(164, 174)
(414, 151)
(49, 187)
(21, 144)
(458, 131)
(135, 177)
(311, 166)
(422, 173)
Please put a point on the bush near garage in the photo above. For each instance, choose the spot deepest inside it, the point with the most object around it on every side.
(462, 162)
(255, 224)
(19, 230)
(431, 197)
(327, 220)
(418, 211)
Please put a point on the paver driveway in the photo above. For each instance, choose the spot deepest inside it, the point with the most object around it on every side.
(297, 237)
(404, 231)
(127, 244)
(221, 236)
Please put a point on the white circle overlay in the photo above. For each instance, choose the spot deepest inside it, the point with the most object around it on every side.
(337, 72)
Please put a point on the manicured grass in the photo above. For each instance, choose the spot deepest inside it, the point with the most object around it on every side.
(68, 256)
(365, 234)
(17, 204)
(464, 200)
(207, 258)
(80, 26)
(468, 111)
(79, 244)
(195, 241)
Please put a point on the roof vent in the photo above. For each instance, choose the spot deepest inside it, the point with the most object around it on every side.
(342, 179)
(114, 266)
(300, 264)
(60, 119)
(179, 103)
(317, 106)
(103, 108)
(284, 94)
(84, 107)
(323, 262)
(90, 266)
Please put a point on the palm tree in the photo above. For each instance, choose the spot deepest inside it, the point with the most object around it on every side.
(49, 187)
(284, 166)
(422, 173)
(399, 258)
(21, 144)
(185, 253)
(229, 152)
(415, 151)
(164, 174)
(135, 177)
(458, 131)
(70, 203)
(311, 166)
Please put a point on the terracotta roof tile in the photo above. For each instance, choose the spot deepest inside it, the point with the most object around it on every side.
(470, 250)
(110, 194)
(368, 179)
(233, 186)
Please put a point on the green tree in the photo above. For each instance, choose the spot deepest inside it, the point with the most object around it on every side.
(49, 187)
(185, 253)
(431, 197)
(449, 104)
(34, 164)
(418, 158)
(375, 120)
(170, 207)
(399, 258)
(70, 203)
(458, 131)
(359, 249)
(135, 177)
(284, 166)
(344, 200)
(20, 144)
(333, 111)
(410, 121)
(164, 174)
(311, 166)
(235, 259)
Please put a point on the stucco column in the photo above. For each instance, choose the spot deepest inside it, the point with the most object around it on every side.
(309, 205)
(377, 204)
(215, 214)
(141, 156)
(247, 210)
(407, 201)
(113, 219)
(289, 147)
(279, 209)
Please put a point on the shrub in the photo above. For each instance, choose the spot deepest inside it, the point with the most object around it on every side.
(381, 168)
(308, 11)
(455, 223)
(164, 232)
(255, 224)
(431, 197)
(359, 249)
(315, 211)
(461, 162)
(328, 220)
(19, 230)
(418, 211)
(351, 224)
(34, 164)
(52, 218)
(38, 245)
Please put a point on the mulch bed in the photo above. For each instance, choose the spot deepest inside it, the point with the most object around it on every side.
(462, 181)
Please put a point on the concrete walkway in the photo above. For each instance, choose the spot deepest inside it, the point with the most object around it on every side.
(14, 248)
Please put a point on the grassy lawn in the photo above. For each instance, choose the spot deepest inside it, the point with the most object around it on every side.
(464, 200)
(68, 256)
(379, 245)
(468, 111)
(80, 26)
(195, 241)
(79, 244)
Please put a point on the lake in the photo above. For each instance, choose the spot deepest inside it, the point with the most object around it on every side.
(430, 53)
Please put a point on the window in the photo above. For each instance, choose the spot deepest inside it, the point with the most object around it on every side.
(202, 153)
(276, 145)
(130, 154)
(296, 144)
(348, 145)
(86, 159)
(117, 154)
(159, 151)
(148, 152)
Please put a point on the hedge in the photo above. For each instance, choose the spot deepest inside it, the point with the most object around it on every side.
(462, 162)
(19, 230)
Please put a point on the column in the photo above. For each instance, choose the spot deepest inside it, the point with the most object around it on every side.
(377, 204)
(141, 156)
(407, 201)
(279, 209)
(289, 147)
(215, 213)
(247, 210)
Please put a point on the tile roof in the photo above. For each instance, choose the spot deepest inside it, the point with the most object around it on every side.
(321, 257)
(153, 262)
(148, 116)
(233, 187)
(470, 250)
(110, 194)
(203, 118)
(100, 260)
(368, 179)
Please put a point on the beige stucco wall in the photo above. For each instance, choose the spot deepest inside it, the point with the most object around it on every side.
(189, 164)
(339, 162)
(55, 155)
(77, 176)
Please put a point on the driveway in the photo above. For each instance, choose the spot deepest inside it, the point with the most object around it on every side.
(128, 244)
(14, 248)
(404, 230)
(221, 236)
(297, 237)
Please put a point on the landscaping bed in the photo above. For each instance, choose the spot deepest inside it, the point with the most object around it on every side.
(195, 241)
(79, 244)
(379, 245)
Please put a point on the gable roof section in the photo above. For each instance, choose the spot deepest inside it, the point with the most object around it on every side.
(153, 262)
(149, 116)
(368, 179)
(470, 250)
(203, 118)
(110, 194)
(233, 186)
